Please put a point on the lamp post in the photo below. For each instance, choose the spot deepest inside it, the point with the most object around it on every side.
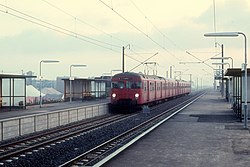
(40, 76)
(191, 62)
(236, 34)
(171, 71)
(225, 58)
(221, 64)
(123, 56)
(71, 78)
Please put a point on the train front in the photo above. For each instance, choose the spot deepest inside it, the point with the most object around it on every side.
(126, 90)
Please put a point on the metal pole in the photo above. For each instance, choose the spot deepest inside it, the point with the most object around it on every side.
(197, 83)
(123, 48)
(214, 81)
(40, 85)
(190, 80)
(70, 87)
(245, 96)
(222, 66)
(170, 71)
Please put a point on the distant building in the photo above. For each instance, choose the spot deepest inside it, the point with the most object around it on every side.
(60, 84)
(51, 95)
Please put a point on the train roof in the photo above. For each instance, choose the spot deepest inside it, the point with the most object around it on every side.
(143, 76)
(140, 75)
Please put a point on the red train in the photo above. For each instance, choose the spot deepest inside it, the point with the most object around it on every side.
(130, 89)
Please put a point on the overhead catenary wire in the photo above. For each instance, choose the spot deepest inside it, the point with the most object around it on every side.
(138, 29)
(80, 20)
(150, 21)
(56, 28)
(199, 59)
(155, 27)
(141, 63)
(63, 30)
(214, 21)
(88, 24)
(84, 22)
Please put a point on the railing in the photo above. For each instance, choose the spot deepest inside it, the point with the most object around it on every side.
(14, 127)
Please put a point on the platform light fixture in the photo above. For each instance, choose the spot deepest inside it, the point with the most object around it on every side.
(40, 76)
(225, 58)
(71, 78)
(236, 34)
(191, 62)
(221, 64)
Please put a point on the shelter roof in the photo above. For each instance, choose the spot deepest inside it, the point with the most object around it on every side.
(85, 79)
(236, 72)
(15, 76)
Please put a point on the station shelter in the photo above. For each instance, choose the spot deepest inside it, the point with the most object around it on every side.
(234, 89)
(83, 89)
(13, 91)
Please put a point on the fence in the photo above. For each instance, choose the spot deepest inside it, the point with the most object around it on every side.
(14, 127)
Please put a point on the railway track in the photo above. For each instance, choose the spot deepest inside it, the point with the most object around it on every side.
(13, 150)
(90, 144)
(102, 153)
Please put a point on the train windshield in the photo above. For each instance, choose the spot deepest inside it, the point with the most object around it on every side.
(129, 85)
(133, 85)
(118, 85)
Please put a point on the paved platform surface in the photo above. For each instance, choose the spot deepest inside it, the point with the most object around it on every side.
(206, 134)
(4, 114)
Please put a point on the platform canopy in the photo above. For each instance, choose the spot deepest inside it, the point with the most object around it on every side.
(13, 91)
(83, 88)
(235, 72)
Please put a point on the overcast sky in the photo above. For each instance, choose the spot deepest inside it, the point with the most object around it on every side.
(92, 32)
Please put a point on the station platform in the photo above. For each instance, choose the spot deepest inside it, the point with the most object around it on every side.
(205, 134)
(35, 109)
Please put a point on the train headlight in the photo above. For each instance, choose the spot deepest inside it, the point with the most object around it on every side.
(113, 95)
(137, 95)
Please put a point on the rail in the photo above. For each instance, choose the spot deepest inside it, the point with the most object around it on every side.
(104, 152)
(14, 127)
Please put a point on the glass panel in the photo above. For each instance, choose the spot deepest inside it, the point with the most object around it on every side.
(128, 84)
(19, 101)
(93, 88)
(118, 85)
(6, 87)
(136, 85)
(5, 101)
(19, 87)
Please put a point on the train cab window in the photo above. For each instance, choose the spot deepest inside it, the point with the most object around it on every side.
(133, 85)
(118, 85)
